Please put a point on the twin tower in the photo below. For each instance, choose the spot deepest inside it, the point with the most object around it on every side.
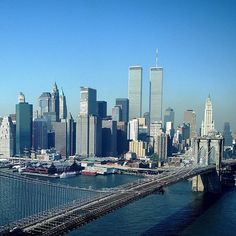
(155, 93)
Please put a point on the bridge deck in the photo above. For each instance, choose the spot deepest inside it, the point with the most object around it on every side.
(58, 221)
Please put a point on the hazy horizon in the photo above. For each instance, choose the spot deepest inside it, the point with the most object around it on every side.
(92, 44)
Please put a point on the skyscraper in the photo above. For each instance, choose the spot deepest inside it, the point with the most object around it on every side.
(82, 135)
(89, 133)
(109, 138)
(228, 139)
(116, 113)
(135, 92)
(62, 106)
(133, 129)
(44, 103)
(60, 130)
(95, 136)
(122, 142)
(190, 118)
(40, 134)
(207, 123)
(169, 116)
(102, 109)
(71, 136)
(88, 101)
(124, 105)
(7, 138)
(156, 94)
(24, 114)
(55, 101)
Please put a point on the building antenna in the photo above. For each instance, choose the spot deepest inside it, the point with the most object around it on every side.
(156, 56)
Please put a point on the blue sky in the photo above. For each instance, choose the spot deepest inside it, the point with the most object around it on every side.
(92, 43)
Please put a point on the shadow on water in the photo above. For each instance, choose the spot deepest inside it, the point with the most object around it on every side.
(180, 220)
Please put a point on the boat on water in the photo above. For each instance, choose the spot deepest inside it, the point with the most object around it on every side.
(88, 172)
(68, 174)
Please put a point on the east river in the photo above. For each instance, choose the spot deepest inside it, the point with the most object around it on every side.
(178, 212)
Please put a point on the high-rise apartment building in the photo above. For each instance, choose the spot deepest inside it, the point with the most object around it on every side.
(135, 92)
(124, 105)
(190, 118)
(156, 94)
(24, 115)
(207, 123)
(7, 138)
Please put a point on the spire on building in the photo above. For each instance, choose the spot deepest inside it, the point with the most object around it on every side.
(62, 105)
(62, 92)
(156, 56)
(21, 98)
(207, 123)
(55, 89)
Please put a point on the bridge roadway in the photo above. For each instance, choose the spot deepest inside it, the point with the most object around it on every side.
(75, 215)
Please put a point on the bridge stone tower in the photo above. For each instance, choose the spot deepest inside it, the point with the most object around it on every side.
(208, 150)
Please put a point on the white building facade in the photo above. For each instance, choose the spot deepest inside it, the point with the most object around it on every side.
(7, 138)
(207, 123)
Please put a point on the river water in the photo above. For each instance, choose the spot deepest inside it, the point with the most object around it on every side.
(178, 212)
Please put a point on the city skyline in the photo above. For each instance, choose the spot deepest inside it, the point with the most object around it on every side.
(195, 42)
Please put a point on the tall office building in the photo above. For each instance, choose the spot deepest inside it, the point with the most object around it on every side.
(135, 92)
(60, 131)
(55, 101)
(207, 123)
(7, 138)
(190, 118)
(124, 105)
(109, 138)
(89, 133)
(24, 114)
(228, 139)
(40, 134)
(116, 113)
(88, 101)
(133, 129)
(62, 106)
(71, 136)
(156, 94)
(102, 109)
(82, 136)
(122, 142)
(44, 103)
(169, 116)
(160, 146)
(95, 136)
